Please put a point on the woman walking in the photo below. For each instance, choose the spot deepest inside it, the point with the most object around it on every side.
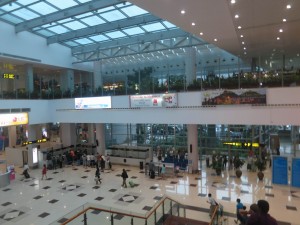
(44, 172)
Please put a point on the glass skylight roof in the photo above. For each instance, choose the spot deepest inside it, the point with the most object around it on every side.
(134, 31)
(42, 8)
(134, 11)
(25, 14)
(113, 15)
(85, 26)
(92, 20)
(154, 27)
(62, 4)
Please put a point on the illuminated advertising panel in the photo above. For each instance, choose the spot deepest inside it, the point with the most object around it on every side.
(13, 119)
(34, 155)
(93, 103)
(154, 100)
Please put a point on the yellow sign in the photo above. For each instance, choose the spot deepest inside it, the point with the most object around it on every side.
(240, 144)
(13, 119)
(9, 76)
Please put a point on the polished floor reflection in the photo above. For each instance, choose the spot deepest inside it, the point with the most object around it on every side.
(34, 201)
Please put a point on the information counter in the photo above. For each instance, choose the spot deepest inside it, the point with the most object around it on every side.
(4, 179)
(129, 155)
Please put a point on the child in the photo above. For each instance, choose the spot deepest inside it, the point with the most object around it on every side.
(44, 172)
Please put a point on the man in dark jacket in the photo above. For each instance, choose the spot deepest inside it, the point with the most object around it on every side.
(262, 217)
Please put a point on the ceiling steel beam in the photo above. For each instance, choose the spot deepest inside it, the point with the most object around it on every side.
(148, 37)
(134, 49)
(66, 13)
(4, 2)
(102, 28)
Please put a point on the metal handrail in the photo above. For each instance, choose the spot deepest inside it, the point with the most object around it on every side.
(117, 212)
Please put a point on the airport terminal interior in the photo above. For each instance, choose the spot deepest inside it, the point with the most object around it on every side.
(203, 88)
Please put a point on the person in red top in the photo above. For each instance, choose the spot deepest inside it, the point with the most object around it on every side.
(44, 172)
(262, 217)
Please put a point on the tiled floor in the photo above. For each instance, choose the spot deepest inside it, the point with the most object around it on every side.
(38, 202)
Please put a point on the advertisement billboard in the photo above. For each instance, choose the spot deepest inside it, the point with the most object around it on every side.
(12, 119)
(93, 103)
(154, 100)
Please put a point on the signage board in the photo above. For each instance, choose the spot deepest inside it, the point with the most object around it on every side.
(154, 100)
(12, 119)
(93, 103)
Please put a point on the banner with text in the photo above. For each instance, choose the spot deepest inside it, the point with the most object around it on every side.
(12, 119)
(93, 103)
(233, 97)
(154, 100)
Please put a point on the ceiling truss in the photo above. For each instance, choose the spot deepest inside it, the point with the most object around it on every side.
(141, 47)
(66, 13)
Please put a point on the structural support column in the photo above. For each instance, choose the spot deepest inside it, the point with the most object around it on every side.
(68, 134)
(91, 135)
(29, 78)
(12, 136)
(67, 80)
(193, 146)
(190, 68)
(97, 74)
(100, 138)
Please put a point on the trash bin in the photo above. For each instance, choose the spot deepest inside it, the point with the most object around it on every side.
(141, 165)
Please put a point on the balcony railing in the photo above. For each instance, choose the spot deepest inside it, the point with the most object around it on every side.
(92, 214)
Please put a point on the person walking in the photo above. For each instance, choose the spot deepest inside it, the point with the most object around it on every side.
(239, 206)
(97, 175)
(213, 204)
(124, 176)
(163, 171)
(44, 172)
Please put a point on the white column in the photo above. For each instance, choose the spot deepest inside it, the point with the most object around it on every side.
(29, 78)
(12, 136)
(67, 80)
(190, 68)
(68, 134)
(192, 142)
(100, 138)
(97, 74)
(91, 133)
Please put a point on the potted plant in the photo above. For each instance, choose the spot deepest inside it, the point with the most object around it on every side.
(238, 164)
(261, 166)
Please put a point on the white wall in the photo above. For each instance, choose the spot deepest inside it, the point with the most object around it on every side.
(278, 112)
(39, 109)
(28, 45)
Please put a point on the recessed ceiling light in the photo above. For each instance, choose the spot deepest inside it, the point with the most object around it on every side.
(298, 54)
(239, 27)
(232, 1)
(288, 6)
(242, 36)
(236, 16)
(280, 30)
(201, 33)
(244, 48)
(215, 39)
(283, 20)
(243, 43)
(182, 12)
(245, 53)
(278, 38)
(193, 24)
